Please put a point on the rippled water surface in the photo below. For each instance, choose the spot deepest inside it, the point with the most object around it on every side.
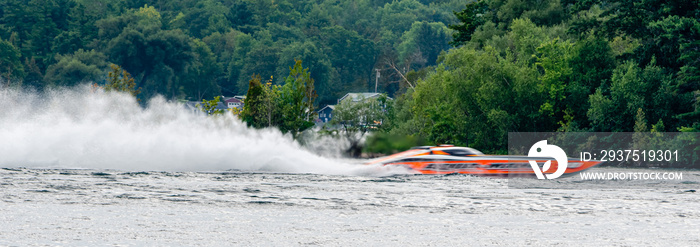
(107, 207)
(300, 194)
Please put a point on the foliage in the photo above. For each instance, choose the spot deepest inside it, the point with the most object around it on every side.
(423, 43)
(75, 68)
(558, 66)
(163, 44)
(515, 65)
(289, 107)
(257, 111)
(386, 143)
(554, 59)
(209, 106)
(121, 81)
(297, 100)
(471, 17)
(357, 116)
(10, 65)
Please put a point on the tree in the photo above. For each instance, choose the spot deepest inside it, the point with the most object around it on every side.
(72, 69)
(592, 63)
(297, 100)
(209, 106)
(289, 107)
(158, 58)
(554, 59)
(351, 55)
(424, 41)
(271, 110)
(251, 108)
(470, 17)
(632, 88)
(358, 116)
(254, 110)
(260, 56)
(200, 78)
(319, 66)
(262, 106)
(121, 81)
(10, 63)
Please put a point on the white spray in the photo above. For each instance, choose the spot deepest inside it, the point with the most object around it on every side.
(86, 128)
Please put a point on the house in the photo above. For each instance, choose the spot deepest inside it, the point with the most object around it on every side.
(234, 103)
(353, 98)
(220, 106)
(325, 115)
(192, 106)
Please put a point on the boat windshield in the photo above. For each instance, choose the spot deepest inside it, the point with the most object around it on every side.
(462, 151)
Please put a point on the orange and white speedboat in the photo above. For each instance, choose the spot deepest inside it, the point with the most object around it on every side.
(446, 159)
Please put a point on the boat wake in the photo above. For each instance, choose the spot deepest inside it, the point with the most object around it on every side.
(85, 128)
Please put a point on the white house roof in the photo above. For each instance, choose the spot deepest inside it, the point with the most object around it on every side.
(238, 97)
(357, 96)
(327, 106)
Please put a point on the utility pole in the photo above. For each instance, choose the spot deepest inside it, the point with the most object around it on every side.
(376, 81)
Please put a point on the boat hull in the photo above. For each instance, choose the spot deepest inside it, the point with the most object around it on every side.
(434, 161)
(497, 167)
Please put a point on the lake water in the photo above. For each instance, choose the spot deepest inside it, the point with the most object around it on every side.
(83, 167)
(106, 207)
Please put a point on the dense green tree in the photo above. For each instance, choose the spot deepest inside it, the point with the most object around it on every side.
(475, 98)
(204, 18)
(241, 16)
(549, 12)
(319, 65)
(79, 34)
(154, 39)
(421, 45)
(470, 17)
(398, 16)
(81, 66)
(254, 112)
(201, 75)
(10, 63)
(518, 65)
(351, 55)
(553, 59)
(261, 58)
(592, 63)
(632, 88)
(289, 107)
(297, 97)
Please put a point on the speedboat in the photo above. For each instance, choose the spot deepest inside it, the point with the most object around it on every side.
(446, 159)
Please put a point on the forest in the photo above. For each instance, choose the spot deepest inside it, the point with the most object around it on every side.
(460, 72)
(548, 66)
(198, 49)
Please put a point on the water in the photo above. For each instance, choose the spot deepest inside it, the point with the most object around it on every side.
(87, 168)
(107, 207)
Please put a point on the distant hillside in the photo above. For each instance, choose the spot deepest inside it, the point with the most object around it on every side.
(195, 49)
